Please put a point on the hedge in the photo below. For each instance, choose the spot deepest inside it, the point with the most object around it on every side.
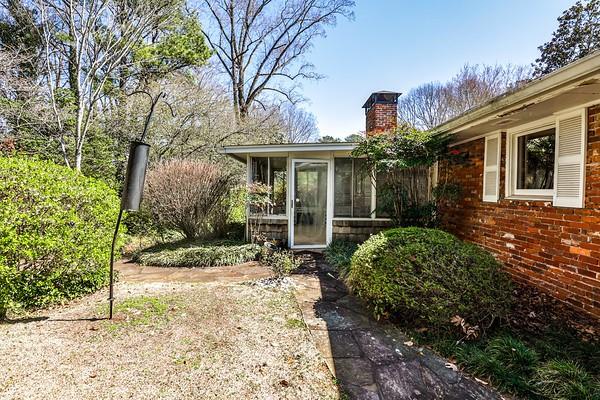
(56, 227)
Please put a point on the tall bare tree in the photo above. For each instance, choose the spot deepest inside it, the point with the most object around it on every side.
(425, 106)
(299, 126)
(195, 119)
(84, 44)
(260, 44)
(433, 103)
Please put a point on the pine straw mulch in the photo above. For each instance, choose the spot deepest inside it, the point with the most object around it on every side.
(537, 311)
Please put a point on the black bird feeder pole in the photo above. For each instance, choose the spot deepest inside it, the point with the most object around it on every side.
(133, 188)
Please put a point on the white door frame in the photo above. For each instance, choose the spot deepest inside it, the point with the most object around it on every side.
(329, 203)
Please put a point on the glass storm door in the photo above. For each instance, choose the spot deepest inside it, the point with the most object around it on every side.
(309, 203)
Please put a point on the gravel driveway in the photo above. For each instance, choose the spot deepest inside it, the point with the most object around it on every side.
(168, 340)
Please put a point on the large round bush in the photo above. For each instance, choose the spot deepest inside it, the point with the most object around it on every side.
(430, 276)
(56, 228)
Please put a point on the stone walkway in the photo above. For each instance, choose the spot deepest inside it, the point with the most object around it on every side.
(131, 272)
(372, 360)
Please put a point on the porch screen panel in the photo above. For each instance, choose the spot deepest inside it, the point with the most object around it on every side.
(342, 206)
(362, 187)
(384, 207)
(260, 168)
(278, 182)
(260, 174)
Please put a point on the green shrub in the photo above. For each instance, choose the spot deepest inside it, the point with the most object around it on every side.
(339, 255)
(202, 254)
(565, 380)
(281, 262)
(429, 276)
(56, 228)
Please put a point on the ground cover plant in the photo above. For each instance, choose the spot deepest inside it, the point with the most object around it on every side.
(198, 254)
(56, 228)
(339, 255)
(541, 350)
(281, 262)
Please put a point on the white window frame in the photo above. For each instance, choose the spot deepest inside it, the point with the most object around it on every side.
(512, 137)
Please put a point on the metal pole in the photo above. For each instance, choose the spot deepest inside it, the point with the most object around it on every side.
(135, 175)
(112, 262)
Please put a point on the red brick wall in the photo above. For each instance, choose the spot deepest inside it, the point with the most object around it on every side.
(554, 248)
(381, 118)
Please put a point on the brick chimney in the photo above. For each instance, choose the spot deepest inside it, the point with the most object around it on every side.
(381, 109)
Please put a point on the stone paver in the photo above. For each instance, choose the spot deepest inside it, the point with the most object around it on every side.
(131, 272)
(369, 359)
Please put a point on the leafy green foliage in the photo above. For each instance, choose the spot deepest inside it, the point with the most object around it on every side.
(281, 262)
(405, 148)
(198, 254)
(429, 276)
(56, 228)
(576, 36)
(183, 45)
(565, 380)
(403, 159)
(339, 255)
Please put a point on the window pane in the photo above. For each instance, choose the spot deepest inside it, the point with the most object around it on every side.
(362, 189)
(384, 194)
(259, 170)
(535, 160)
(279, 184)
(342, 206)
(259, 175)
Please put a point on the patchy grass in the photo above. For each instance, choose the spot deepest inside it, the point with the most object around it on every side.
(141, 311)
(174, 341)
(198, 254)
(295, 323)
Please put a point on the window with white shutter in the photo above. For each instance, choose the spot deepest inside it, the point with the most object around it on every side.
(491, 168)
(570, 160)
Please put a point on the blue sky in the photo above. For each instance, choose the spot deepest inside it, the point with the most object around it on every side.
(399, 44)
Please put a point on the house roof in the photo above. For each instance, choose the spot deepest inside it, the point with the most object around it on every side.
(240, 152)
(570, 86)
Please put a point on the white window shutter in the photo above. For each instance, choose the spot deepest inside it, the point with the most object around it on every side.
(570, 160)
(491, 168)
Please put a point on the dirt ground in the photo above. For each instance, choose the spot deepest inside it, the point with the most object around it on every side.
(168, 340)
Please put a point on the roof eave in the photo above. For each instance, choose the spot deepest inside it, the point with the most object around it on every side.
(540, 87)
(288, 147)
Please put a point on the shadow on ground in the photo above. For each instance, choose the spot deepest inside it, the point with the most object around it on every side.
(372, 360)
